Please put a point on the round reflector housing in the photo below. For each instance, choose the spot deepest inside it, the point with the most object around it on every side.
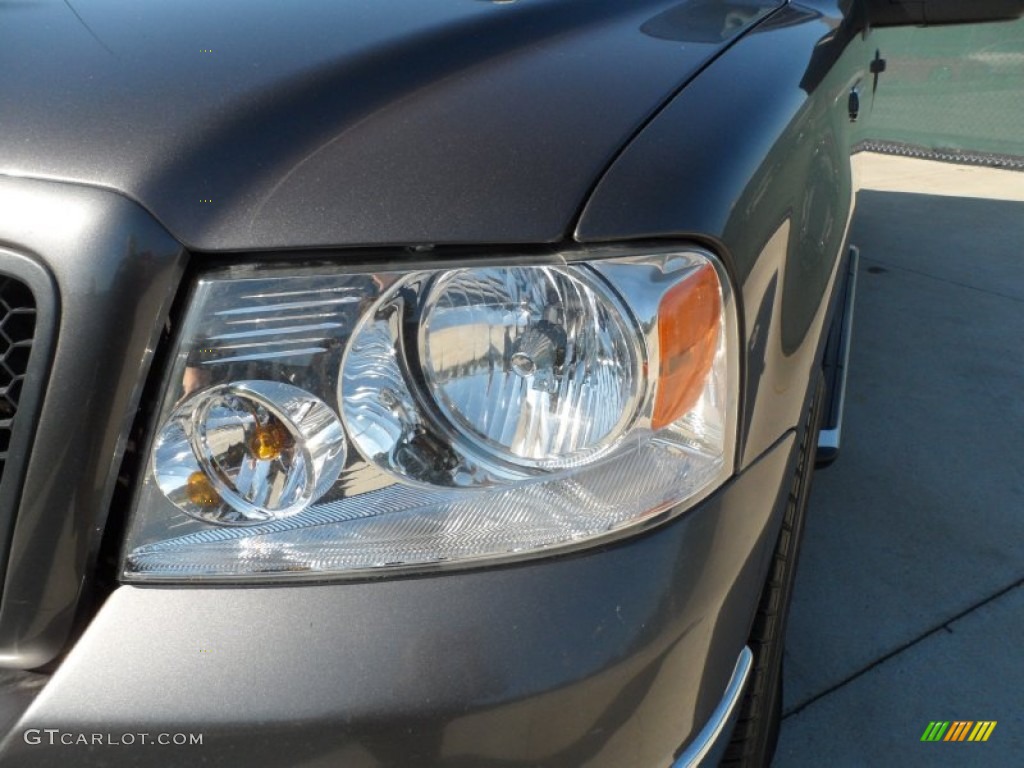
(248, 452)
(536, 365)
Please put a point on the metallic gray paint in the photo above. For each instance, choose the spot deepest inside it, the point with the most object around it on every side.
(764, 174)
(366, 122)
(40, 628)
(587, 659)
(116, 272)
(461, 122)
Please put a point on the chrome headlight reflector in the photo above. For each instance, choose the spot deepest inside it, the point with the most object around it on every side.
(536, 364)
(248, 452)
(325, 421)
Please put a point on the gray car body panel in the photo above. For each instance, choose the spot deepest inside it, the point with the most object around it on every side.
(581, 660)
(312, 123)
(764, 176)
(116, 272)
(453, 125)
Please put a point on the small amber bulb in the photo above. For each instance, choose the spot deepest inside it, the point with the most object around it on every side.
(201, 491)
(268, 441)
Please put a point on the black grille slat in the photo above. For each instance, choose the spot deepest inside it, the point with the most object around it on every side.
(17, 331)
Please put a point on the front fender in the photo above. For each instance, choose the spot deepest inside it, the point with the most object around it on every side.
(753, 158)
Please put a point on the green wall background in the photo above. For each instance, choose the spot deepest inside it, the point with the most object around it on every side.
(950, 88)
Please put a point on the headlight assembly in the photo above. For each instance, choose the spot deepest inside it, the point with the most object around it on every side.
(327, 421)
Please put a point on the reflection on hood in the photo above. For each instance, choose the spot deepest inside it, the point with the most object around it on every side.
(706, 21)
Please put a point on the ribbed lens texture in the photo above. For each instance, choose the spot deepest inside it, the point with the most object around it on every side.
(535, 363)
(400, 525)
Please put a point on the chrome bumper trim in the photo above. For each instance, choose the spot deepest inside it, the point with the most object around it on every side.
(709, 745)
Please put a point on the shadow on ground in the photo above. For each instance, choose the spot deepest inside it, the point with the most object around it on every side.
(909, 603)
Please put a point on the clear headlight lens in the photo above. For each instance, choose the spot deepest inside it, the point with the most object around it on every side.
(248, 452)
(325, 421)
(534, 364)
(529, 366)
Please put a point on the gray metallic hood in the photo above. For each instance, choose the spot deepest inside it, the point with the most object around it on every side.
(251, 125)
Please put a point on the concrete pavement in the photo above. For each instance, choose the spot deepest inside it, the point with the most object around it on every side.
(909, 603)
(892, 173)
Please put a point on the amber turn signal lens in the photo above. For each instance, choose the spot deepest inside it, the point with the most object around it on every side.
(269, 441)
(200, 490)
(689, 316)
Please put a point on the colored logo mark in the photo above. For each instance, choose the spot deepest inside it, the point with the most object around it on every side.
(958, 730)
